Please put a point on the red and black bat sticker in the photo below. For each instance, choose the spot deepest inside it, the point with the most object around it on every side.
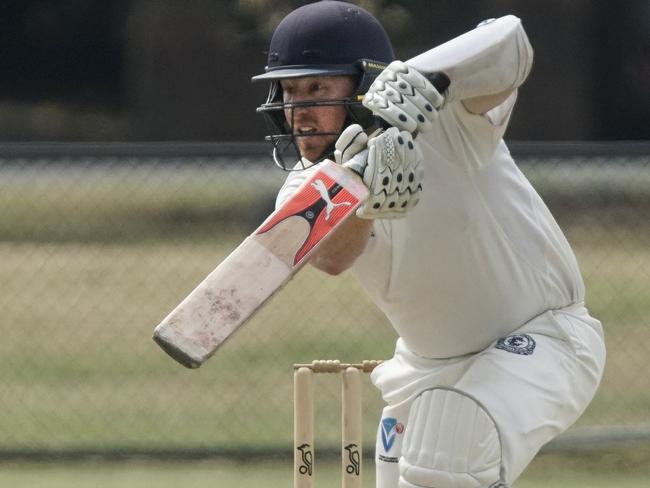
(322, 202)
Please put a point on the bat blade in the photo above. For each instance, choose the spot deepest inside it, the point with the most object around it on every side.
(263, 263)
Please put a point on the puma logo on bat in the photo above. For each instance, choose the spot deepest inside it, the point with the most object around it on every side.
(330, 205)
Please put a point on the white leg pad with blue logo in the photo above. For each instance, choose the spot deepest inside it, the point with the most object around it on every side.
(450, 441)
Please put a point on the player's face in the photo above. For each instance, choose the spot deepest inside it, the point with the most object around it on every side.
(306, 120)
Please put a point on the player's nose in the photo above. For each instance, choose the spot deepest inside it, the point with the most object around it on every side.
(302, 111)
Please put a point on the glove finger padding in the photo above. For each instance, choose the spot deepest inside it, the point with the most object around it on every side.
(393, 174)
(404, 98)
(351, 141)
(418, 84)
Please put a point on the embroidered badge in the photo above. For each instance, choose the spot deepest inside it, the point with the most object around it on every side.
(389, 430)
(519, 344)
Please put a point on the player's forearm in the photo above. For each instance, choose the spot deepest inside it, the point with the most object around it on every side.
(343, 247)
(486, 63)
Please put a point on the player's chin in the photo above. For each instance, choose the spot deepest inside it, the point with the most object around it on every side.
(312, 150)
(311, 155)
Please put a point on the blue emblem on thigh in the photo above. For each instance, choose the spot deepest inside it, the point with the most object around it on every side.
(390, 429)
(519, 344)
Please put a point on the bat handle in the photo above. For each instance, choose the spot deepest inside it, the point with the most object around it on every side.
(438, 79)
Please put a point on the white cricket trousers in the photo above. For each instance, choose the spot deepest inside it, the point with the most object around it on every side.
(532, 394)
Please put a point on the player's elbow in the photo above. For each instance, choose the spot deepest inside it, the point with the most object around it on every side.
(333, 267)
(342, 248)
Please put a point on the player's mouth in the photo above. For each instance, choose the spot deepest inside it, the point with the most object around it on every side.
(306, 130)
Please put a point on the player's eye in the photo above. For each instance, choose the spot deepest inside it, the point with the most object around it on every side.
(316, 88)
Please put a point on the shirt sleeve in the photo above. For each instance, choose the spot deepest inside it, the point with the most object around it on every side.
(499, 116)
(470, 139)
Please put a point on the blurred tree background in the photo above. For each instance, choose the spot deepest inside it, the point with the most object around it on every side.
(179, 70)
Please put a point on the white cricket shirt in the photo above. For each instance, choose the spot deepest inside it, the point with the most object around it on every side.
(479, 256)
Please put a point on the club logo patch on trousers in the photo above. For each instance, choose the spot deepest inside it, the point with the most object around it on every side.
(390, 428)
(519, 344)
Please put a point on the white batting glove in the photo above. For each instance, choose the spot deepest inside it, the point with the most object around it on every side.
(392, 170)
(404, 98)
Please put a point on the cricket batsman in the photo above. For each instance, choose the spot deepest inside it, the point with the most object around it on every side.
(496, 353)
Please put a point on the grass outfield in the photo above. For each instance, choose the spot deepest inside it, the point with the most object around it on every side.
(547, 471)
(78, 357)
(95, 375)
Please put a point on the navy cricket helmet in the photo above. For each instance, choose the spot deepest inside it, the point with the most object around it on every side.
(326, 38)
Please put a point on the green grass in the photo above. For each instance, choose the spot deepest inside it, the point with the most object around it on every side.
(76, 348)
(96, 305)
(620, 469)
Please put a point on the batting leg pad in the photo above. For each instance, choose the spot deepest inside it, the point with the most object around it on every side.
(450, 441)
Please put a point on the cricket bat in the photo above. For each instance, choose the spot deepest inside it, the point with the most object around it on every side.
(264, 262)
(260, 265)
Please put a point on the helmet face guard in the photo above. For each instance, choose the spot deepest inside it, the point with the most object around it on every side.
(325, 38)
(279, 117)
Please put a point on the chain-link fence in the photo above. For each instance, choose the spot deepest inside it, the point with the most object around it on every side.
(99, 243)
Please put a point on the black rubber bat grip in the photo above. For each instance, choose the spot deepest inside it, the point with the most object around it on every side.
(439, 80)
